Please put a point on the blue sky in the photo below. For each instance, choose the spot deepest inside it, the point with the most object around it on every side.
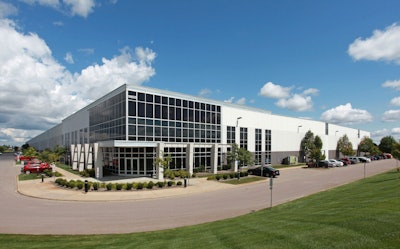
(334, 61)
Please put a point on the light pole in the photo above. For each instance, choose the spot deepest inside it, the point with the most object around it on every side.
(298, 128)
(336, 132)
(237, 167)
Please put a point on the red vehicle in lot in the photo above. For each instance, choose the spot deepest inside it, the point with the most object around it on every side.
(35, 166)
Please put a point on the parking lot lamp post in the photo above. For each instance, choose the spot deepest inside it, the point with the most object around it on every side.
(237, 166)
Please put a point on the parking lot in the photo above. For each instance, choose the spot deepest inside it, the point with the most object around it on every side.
(21, 214)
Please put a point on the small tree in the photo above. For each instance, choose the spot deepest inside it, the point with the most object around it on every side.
(243, 156)
(344, 146)
(386, 144)
(162, 162)
(311, 146)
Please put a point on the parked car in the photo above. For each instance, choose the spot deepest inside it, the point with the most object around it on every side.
(336, 163)
(364, 159)
(325, 163)
(266, 171)
(35, 166)
(345, 161)
(354, 160)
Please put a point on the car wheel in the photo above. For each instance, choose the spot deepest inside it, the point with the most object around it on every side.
(27, 172)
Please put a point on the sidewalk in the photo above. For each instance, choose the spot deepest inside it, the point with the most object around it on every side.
(49, 190)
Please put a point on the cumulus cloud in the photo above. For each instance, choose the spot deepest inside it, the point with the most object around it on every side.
(68, 58)
(241, 101)
(295, 102)
(394, 84)
(37, 91)
(383, 45)
(7, 10)
(395, 101)
(270, 90)
(391, 115)
(72, 7)
(345, 114)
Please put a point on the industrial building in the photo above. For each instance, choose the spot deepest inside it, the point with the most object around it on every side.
(127, 129)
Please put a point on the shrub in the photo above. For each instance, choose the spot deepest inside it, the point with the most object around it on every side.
(171, 183)
(103, 185)
(139, 185)
(160, 184)
(225, 176)
(79, 184)
(59, 181)
(184, 173)
(109, 186)
(194, 175)
(71, 184)
(232, 175)
(119, 186)
(129, 186)
(144, 185)
(218, 177)
(95, 185)
(179, 183)
(150, 185)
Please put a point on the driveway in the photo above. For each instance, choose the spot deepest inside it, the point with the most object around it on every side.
(20, 214)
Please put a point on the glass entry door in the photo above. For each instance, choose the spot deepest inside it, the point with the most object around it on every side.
(131, 166)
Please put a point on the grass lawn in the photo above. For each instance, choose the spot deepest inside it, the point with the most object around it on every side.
(364, 214)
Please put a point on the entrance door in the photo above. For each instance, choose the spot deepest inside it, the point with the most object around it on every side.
(131, 166)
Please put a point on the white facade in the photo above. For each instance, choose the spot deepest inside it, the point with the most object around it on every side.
(138, 126)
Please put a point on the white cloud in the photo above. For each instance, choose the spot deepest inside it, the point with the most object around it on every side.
(396, 131)
(377, 135)
(73, 7)
(7, 10)
(395, 101)
(270, 90)
(345, 114)
(391, 115)
(205, 92)
(241, 101)
(68, 58)
(80, 7)
(37, 91)
(296, 103)
(382, 45)
(230, 100)
(395, 84)
(311, 91)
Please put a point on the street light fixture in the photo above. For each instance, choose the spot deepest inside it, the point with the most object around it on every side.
(237, 167)
(298, 128)
(336, 132)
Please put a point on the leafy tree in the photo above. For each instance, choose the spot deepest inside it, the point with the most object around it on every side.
(30, 151)
(344, 146)
(367, 146)
(387, 144)
(239, 154)
(311, 146)
(25, 146)
(163, 161)
(396, 151)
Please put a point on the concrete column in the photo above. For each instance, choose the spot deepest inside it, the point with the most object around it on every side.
(159, 154)
(98, 161)
(74, 157)
(81, 157)
(214, 158)
(189, 158)
(89, 156)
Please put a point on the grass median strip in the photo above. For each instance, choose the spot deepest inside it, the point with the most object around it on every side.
(363, 214)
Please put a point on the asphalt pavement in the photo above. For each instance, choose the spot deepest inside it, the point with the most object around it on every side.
(33, 207)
